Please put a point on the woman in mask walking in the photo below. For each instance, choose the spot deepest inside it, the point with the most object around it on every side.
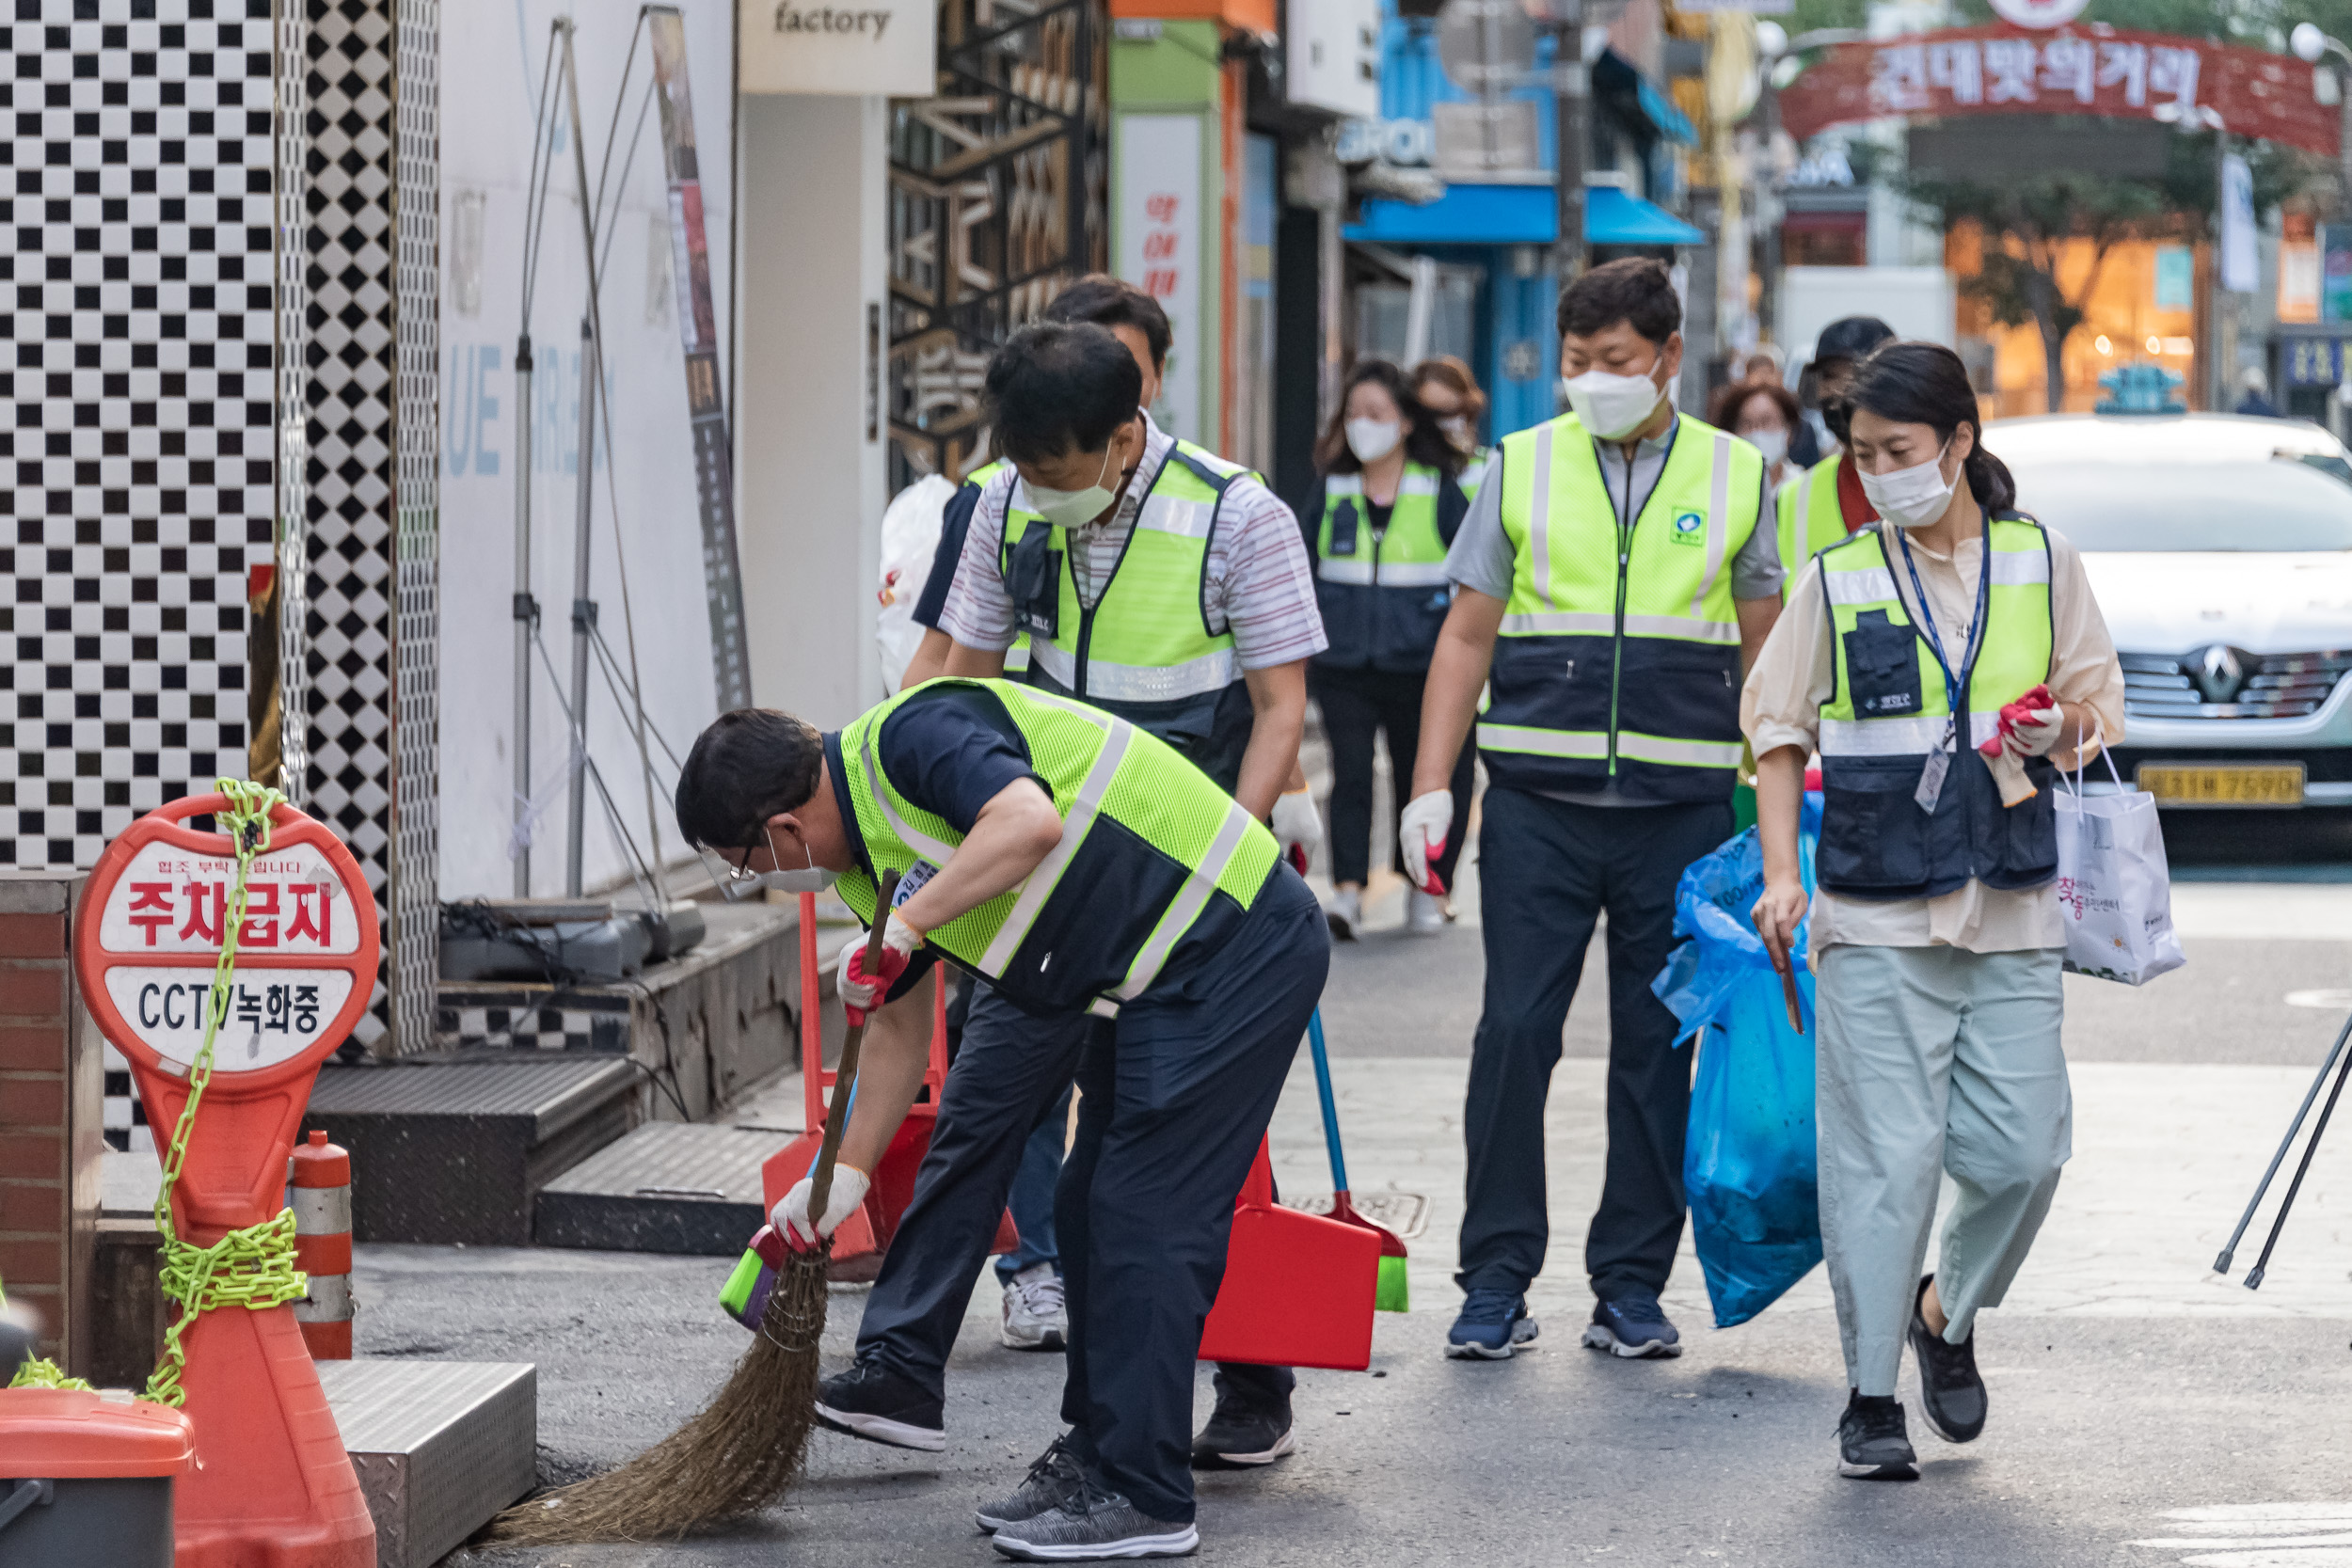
(1453, 398)
(1378, 531)
(1765, 415)
(1954, 624)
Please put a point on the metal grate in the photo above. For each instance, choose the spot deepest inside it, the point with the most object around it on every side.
(998, 196)
(290, 125)
(2266, 686)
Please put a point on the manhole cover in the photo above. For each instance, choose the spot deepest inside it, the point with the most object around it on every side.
(1406, 1213)
(2329, 1001)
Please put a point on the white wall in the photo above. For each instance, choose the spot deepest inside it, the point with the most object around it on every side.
(491, 67)
(1917, 302)
(810, 483)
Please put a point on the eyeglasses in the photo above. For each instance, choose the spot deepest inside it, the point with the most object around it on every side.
(734, 881)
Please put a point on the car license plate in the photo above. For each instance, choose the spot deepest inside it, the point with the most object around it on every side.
(2229, 784)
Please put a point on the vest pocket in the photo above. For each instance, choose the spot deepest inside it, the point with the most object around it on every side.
(1883, 664)
(1873, 833)
(1034, 583)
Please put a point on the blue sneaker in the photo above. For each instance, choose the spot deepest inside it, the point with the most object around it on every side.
(1493, 1324)
(1633, 1326)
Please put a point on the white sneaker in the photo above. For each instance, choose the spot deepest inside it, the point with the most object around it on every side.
(1344, 913)
(1036, 1317)
(1425, 913)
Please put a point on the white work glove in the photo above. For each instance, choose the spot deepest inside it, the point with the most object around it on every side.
(791, 1216)
(1420, 834)
(2034, 735)
(1296, 822)
(861, 992)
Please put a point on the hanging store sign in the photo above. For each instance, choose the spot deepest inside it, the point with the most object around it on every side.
(807, 46)
(2096, 70)
(1160, 234)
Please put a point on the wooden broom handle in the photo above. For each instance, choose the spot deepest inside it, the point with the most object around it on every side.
(845, 1076)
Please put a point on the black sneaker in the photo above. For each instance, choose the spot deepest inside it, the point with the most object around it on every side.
(1092, 1524)
(879, 1405)
(1053, 1480)
(1633, 1326)
(1871, 1442)
(1951, 1392)
(1240, 1434)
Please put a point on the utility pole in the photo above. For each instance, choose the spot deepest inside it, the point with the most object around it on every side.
(1572, 83)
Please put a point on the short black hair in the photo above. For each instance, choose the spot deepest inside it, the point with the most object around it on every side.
(1108, 301)
(1634, 288)
(747, 766)
(1057, 388)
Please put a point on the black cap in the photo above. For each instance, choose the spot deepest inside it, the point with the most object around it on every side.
(1850, 337)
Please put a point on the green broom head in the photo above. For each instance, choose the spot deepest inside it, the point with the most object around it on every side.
(1390, 1294)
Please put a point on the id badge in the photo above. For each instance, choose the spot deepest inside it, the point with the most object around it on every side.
(1931, 774)
(912, 884)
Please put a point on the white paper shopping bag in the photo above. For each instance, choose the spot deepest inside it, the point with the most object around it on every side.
(2114, 885)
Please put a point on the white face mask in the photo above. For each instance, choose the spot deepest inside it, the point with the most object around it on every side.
(1611, 407)
(1459, 430)
(1914, 497)
(1373, 439)
(1773, 444)
(809, 878)
(1076, 508)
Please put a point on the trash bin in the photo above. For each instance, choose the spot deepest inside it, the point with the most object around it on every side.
(86, 1478)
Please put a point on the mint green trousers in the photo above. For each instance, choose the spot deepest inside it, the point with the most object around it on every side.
(1934, 1061)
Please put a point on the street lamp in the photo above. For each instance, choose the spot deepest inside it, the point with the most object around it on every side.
(1777, 65)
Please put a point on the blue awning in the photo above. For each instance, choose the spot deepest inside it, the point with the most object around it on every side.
(1613, 217)
(1617, 78)
(1466, 215)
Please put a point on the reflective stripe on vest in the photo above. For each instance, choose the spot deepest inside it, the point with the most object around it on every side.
(1889, 711)
(1408, 554)
(1017, 655)
(1183, 836)
(1157, 644)
(1812, 504)
(1618, 654)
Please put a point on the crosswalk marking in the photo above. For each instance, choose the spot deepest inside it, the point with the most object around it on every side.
(2260, 1535)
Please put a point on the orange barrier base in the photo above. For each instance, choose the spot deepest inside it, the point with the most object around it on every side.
(273, 1487)
(1298, 1288)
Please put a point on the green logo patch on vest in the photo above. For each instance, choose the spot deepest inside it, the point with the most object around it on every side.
(1689, 528)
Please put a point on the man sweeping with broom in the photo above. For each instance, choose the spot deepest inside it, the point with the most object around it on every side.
(1077, 864)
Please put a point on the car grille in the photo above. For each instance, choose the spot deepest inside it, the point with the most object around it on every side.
(2276, 685)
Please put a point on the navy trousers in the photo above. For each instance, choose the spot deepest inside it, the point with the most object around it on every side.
(1547, 870)
(1007, 1094)
(1174, 1099)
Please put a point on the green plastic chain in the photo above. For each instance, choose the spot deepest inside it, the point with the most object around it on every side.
(254, 1267)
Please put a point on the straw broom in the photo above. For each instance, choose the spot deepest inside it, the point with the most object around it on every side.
(747, 1446)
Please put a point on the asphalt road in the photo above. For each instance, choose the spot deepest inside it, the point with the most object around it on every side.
(2145, 1413)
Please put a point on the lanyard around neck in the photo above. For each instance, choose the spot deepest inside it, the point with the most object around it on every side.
(1954, 684)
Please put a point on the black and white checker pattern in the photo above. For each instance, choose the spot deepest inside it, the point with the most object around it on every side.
(522, 1020)
(370, 624)
(141, 449)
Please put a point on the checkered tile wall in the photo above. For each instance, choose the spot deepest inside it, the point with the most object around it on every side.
(141, 455)
(371, 622)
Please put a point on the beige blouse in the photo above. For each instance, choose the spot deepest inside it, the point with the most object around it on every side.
(1781, 706)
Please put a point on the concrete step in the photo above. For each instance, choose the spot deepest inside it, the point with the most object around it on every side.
(457, 1150)
(666, 1187)
(440, 1446)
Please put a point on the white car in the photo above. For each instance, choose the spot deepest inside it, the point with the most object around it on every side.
(2220, 548)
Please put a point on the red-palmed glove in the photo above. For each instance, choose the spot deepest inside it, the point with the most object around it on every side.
(1420, 834)
(2029, 726)
(862, 991)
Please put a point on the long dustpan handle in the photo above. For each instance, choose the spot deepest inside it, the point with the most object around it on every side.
(1330, 1106)
(845, 1076)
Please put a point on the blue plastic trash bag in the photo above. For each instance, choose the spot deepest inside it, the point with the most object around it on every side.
(1748, 1164)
